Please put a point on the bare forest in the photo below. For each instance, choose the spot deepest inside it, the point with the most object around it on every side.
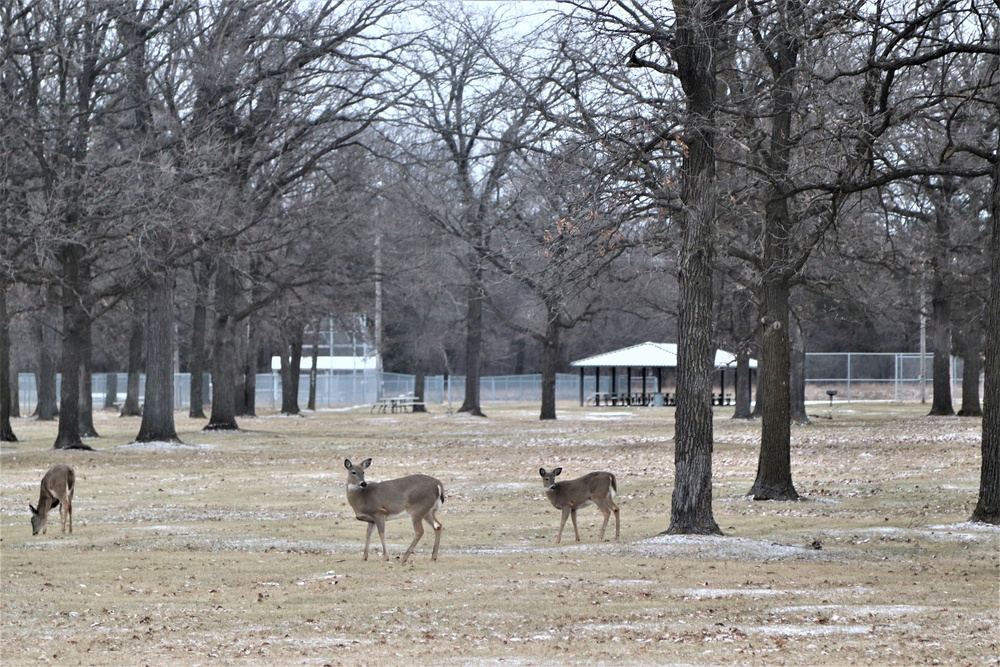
(497, 187)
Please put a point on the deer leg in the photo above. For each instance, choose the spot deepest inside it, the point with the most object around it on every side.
(618, 521)
(380, 524)
(436, 525)
(562, 523)
(418, 529)
(368, 538)
(607, 515)
(576, 530)
(62, 517)
(69, 509)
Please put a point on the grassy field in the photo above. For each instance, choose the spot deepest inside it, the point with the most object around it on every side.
(241, 549)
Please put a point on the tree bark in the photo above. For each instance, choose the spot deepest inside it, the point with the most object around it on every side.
(972, 368)
(158, 412)
(248, 405)
(697, 37)
(110, 390)
(313, 377)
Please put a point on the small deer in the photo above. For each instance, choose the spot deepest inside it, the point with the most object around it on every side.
(596, 487)
(420, 496)
(56, 491)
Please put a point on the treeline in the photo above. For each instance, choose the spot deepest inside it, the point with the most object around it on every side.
(195, 185)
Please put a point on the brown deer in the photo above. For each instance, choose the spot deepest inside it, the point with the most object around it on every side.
(420, 496)
(56, 491)
(596, 487)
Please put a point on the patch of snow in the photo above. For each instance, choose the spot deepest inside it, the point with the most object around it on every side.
(724, 548)
(161, 445)
(605, 416)
(810, 630)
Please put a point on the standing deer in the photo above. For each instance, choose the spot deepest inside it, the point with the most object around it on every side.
(596, 487)
(420, 496)
(56, 491)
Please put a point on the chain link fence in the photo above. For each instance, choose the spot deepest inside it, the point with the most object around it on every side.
(854, 376)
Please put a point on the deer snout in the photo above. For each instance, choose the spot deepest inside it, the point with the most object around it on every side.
(363, 484)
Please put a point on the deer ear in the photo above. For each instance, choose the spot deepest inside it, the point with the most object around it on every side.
(366, 463)
(541, 471)
(32, 508)
(348, 464)
(555, 473)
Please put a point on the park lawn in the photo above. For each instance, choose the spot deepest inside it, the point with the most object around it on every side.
(240, 548)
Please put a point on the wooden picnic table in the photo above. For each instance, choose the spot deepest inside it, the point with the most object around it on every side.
(402, 403)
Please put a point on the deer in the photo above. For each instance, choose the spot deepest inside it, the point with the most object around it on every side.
(595, 487)
(56, 491)
(420, 496)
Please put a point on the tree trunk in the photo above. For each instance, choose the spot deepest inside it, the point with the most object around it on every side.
(972, 368)
(158, 412)
(473, 347)
(196, 366)
(110, 391)
(248, 405)
(742, 410)
(697, 31)
(941, 345)
(6, 431)
(73, 344)
(988, 506)
(131, 407)
(223, 416)
(291, 370)
(314, 373)
(47, 340)
(15, 393)
(797, 374)
(774, 468)
(87, 428)
(550, 363)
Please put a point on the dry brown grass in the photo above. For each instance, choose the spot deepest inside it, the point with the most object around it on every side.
(241, 549)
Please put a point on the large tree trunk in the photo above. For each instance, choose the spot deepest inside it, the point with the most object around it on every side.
(988, 506)
(73, 344)
(196, 365)
(473, 347)
(110, 390)
(774, 468)
(131, 407)
(697, 31)
(774, 473)
(223, 416)
(550, 363)
(158, 412)
(6, 431)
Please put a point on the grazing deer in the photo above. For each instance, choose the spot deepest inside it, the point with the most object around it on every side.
(420, 496)
(56, 491)
(596, 487)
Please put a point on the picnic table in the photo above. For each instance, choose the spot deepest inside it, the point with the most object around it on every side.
(402, 403)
